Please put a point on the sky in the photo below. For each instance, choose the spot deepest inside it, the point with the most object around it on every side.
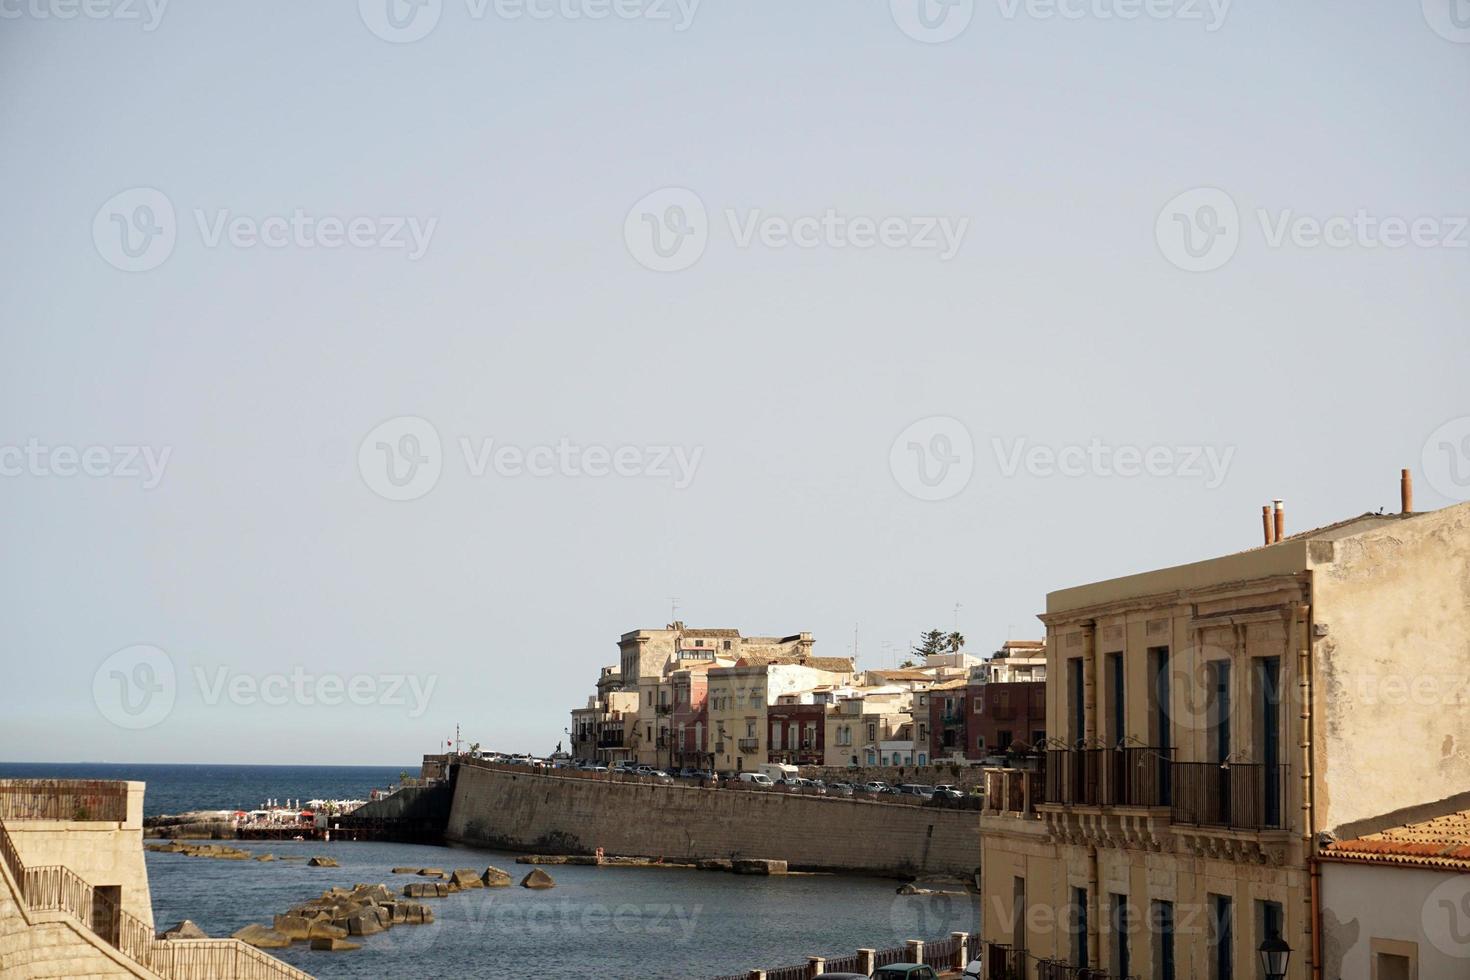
(369, 368)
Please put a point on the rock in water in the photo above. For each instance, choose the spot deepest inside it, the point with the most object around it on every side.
(293, 926)
(759, 866)
(366, 922)
(262, 937)
(334, 944)
(186, 929)
(323, 862)
(432, 872)
(495, 878)
(405, 871)
(466, 878)
(537, 879)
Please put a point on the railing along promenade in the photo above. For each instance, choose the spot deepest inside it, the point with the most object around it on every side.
(55, 888)
(859, 795)
(944, 955)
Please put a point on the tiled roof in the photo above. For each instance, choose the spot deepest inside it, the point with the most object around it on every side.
(957, 684)
(1443, 842)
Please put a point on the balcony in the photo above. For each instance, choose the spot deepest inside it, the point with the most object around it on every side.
(1136, 776)
(662, 708)
(1013, 792)
(748, 744)
(1235, 795)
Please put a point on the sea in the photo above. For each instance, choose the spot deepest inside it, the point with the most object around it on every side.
(597, 922)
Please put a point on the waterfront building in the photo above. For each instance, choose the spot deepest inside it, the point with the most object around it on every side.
(600, 729)
(903, 749)
(798, 733)
(999, 704)
(740, 698)
(649, 659)
(1208, 724)
(858, 723)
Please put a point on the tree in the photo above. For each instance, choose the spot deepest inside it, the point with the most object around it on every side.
(935, 642)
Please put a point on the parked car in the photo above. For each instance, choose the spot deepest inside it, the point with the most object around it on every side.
(658, 775)
(948, 793)
(875, 786)
(840, 789)
(906, 971)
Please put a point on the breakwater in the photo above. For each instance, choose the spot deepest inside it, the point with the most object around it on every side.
(519, 810)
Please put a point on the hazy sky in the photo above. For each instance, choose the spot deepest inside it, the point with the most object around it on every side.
(780, 308)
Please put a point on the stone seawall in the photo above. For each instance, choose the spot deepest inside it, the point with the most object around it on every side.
(524, 811)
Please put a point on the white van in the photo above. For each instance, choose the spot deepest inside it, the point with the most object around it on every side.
(759, 778)
(777, 770)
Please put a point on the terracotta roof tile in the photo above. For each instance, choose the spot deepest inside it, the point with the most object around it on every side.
(1442, 842)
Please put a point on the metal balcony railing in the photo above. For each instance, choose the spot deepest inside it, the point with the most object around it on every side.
(1241, 796)
(1130, 776)
(748, 744)
(1238, 795)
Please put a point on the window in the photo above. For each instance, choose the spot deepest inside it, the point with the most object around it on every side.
(1162, 924)
(1394, 959)
(1118, 907)
(1221, 938)
(1003, 739)
(1270, 923)
(1268, 737)
(980, 742)
(727, 644)
(1038, 737)
(1076, 703)
(1116, 702)
(1018, 910)
(1079, 927)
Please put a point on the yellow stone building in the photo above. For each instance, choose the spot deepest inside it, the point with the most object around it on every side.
(1210, 727)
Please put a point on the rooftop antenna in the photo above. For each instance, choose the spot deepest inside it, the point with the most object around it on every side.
(673, 609)
(854, 644)
(957, 617)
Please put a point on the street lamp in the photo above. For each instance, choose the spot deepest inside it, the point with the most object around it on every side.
(1274, 956)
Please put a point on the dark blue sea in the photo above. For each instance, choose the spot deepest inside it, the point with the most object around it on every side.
(180, 788)
(597, 922)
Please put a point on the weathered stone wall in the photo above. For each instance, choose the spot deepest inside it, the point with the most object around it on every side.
(567, 815)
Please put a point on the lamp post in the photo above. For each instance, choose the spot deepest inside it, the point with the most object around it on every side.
(1274, 956)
